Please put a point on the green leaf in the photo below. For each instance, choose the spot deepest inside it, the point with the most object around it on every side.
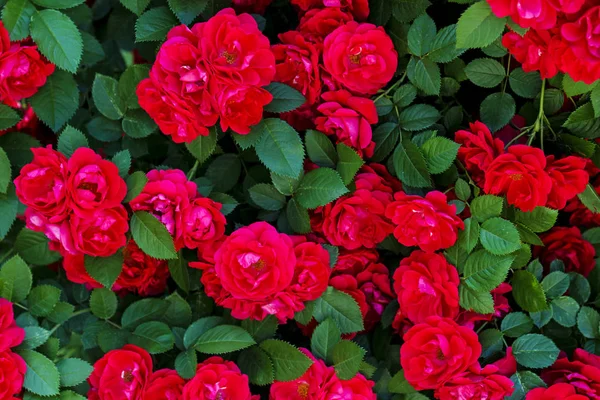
(319, 187)
(469, 237)
(135, 185)
(267, 197)
(70, 140)
(58, 4)
(261, 330)
(224, 339)
(224, 172)
(179, 272)
(123, 162)
(528, 292)
(105, 92)
(340, 307)
(478, 27)
(152, 236)
(525, 84)
(410, 165)
(594, 96)
(403, 97)
(105, 270)
(384, 106)
(255, 363)
(486, 206)
(588, 322)
(289, 363)
(58, 39)
(499, 236)
(137, 124)
(541, 318)
(320, 149)
(73, 371)
(540, 219)
(573, 88)
(564, 310)
(524, 381)
(298, 217)
(42, 300)
(347, 357)
(425, 74)
(135, 6)
(284, 184)
(5, 171)
(497, 110)
(421, 34)
(9, 206)
(443, 48)
(483, 271)
(93, 52)
(590, 199)
(304, 316)
(385, 137)
(104, 129)
(103, 303)
(8, 117)
(535, 351)
(203, 146)
(324, 338)
(418, 117)
(143, 311)
(485, 72)
(155, 337)
(555, 284)
(229, 203)
(480, 302)
(16, 16)
(56, 102)
(154, 25)
(285, 98)
(349, 163)
(399, 384)
(280, 148)
(516, 324)
(439, 153)
(42, 376)
(407, 10)
(129, 81)
(583, 122)
(16, 280)
(34, 337)
(380, 12)
(198, 328)
(187, 10)
(186, 364)
(179, 312)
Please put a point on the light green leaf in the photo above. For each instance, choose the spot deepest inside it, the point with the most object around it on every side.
(280, 148)
(255, 363)
(105, 270)
(152, 236)
(224, 339)
(285, 98)
(320, 149)
(203, 146)
(347, 357)
(485, 72)
(535, 351)
(154, 25)
(42, 376)
(289, 363)
(56, 102)
(58, 39)
(349, 163)
(105, 92)
(325, 336)
(8, 117)
(340, 307)
(103, 303)
(478, 26)
(187, 10)
(528, 292)
(73, 371)
(410, 165)
(499, 236)
(16, 280)
(16, 16)
(319, 187)
(439, 153)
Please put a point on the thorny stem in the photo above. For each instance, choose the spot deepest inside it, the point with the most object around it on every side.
(539, 122)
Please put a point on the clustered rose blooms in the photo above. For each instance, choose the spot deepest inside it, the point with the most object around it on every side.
(321, 382)
(567, 245)
(23, 70)
(560, 391)
(582, 372)
(76, 203)
(126, 374)
(561, 36)
(258, 271)
(214, 70)
(12, 366)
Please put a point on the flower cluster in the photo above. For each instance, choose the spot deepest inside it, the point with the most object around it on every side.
(560, 37)
(12, 366)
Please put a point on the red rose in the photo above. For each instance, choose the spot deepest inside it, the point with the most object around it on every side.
(507, 365)
(360, 57)
(501, 308)
(569, 178)
(252, 273)
(567, 245)
(241, 106)
(436, 351)
(298, 65)
(23, 70)
(533, 51)
(141, 273)
(356, 220)
(349, 118)
(321, 382)
(202, 222)
(358, 8)
(164, 384)
(93, 183)
(121, 374)
(11, 335)
(426, 285)
(478, 149)
(582, 58)
(312, 271)
(374, 282)
(478, 383)
(317, 23)
(42, 184)
(251, 6)
(376, 179)
(166, 195)
(519, 174)
(430, 222)
(12, 374)
(353, 262)
(29, 123)
(583, 373)
(349, 285)
(74, 266)
(99, 234)
(218, 379)
(560, 391)
(538, 14)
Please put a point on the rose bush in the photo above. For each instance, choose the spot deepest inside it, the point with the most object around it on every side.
(303, 199)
